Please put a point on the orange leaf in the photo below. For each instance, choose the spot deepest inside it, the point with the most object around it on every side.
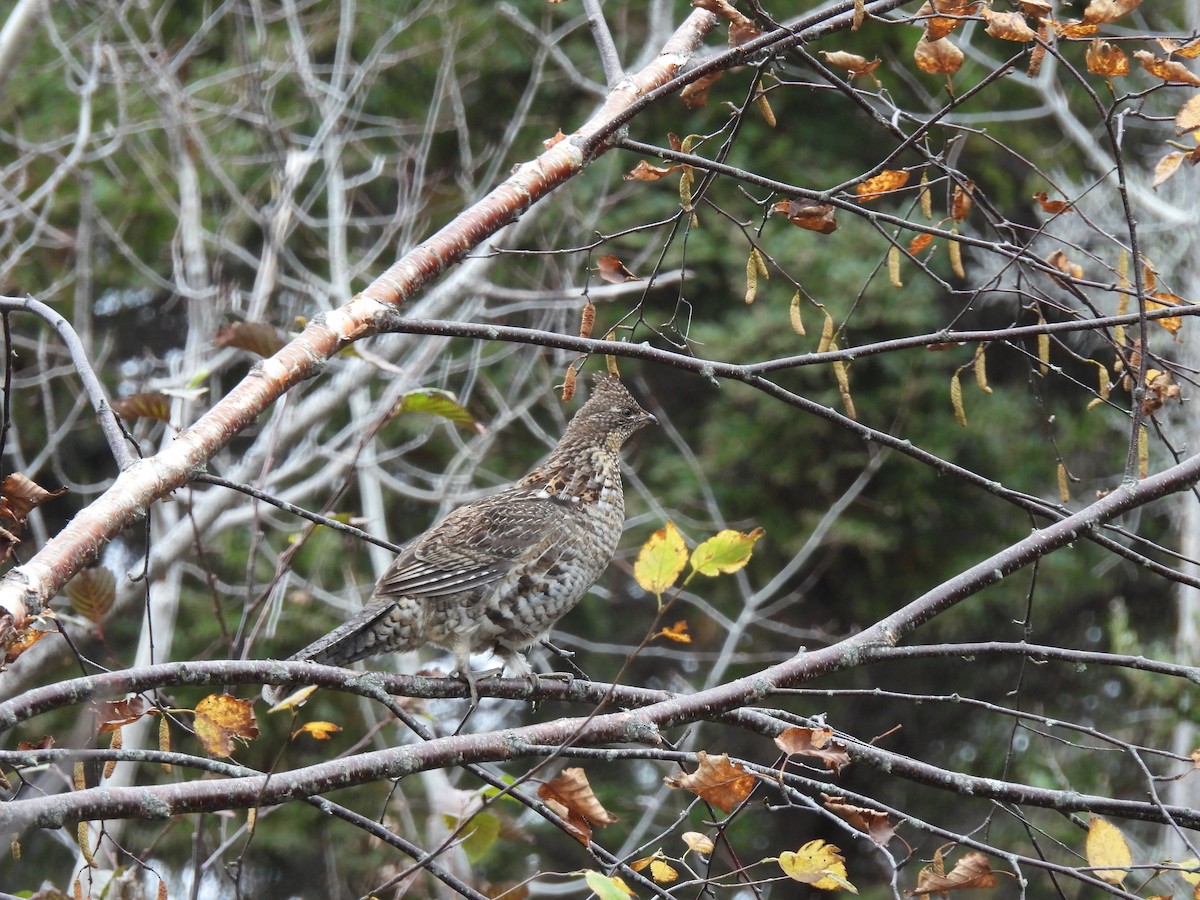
(962, 201)
(940, 24)
(1167, 166)
(1059, 260)
(1190, 50)
(938, 57)
(558, 138)
(1168, 70)
(1106, 60)
(885, 182)
(613, 270)
(319, 731)
(717, 781)
(220, 719)
(1051, 207)
(919, 243)
(677, 633)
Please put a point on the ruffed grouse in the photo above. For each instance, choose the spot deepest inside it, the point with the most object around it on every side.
(498, 573)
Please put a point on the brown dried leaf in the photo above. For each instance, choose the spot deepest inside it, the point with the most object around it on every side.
(741, 28)
(884, 183)
(571, 796)
(962, 201)
(1059, 260)
(612, 270)
(1169, 70)
(1160, 387)
(972, 871)
(1100, 11)
(1038, 53)
(816, 742)
(810, 214)
(113, 714)
(152, 405)
(220, 719)
(1009, 26)
(1051, 207)
(1162, 300)
(696, 94)
(871, 822)
(938, 57)
(717, 781)
(92, 592)
(19, 496)
(1188, 117)
(1167, 166)
(257, 337)
(1190, 50)
(1106, 60)
(853, 63)
(643, 171)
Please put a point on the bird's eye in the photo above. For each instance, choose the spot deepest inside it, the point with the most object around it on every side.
(626, 411)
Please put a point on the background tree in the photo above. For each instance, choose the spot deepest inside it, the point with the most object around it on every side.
(906, 287)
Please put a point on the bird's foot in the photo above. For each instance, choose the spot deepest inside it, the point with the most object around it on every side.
(568, 657)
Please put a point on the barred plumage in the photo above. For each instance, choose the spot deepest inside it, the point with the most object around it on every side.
(498, 573)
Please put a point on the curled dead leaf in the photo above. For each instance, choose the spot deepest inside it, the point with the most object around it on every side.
(806, 213)
(972, 871)
(1051, 207)
(570, 795)
(1010, 26)
(716, 781)
(940, 57)
(1169, 70)
(1106, 59)
(853, 63)
(643, 171)
(696, 94)
(612, 270)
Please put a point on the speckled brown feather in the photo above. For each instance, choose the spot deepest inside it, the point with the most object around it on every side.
(498, 573)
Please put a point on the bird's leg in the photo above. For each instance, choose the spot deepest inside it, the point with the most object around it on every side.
(462, 661)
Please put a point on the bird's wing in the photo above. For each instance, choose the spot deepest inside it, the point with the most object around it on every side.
(475, 545)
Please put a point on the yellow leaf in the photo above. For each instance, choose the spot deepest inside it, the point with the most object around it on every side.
(725, 552)
(294, 699)
(320, 731)
(220, 719)
(818, 864)
(677, 633)
(661, 560)
(1106, 847)
(606, 887)
(697, 842)
(434, 402)
(884, 183)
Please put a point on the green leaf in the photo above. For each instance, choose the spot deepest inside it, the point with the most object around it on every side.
(607, 888)
(725, 552)
(661, 560)
(481, 834)
(438, 403)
